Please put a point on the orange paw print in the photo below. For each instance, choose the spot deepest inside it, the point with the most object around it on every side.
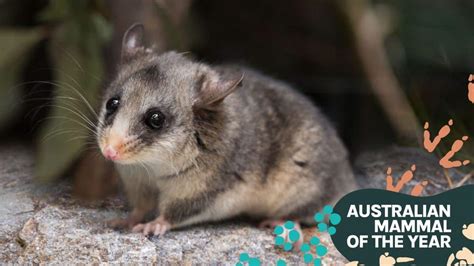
(470, 87)
(430, 145)
(404, 179)
(446, 160)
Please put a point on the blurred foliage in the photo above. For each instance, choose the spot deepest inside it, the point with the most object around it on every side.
(305, 42)
(15, 45)
(76, 50)
(437, 44)
(76, 32)
(432, 49)
(436, 33)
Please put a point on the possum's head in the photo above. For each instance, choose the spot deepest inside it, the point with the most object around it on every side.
(149, 111)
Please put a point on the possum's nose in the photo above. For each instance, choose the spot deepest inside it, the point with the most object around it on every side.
(111, 153)
(113, 145)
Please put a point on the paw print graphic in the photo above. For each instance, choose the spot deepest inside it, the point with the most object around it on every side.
(470, 87)
(287, 235)
(321, 250)
(245, 259)
(334, 219)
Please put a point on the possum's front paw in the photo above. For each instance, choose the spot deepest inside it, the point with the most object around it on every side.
(127, 223)
(121, 223)
(157, 227)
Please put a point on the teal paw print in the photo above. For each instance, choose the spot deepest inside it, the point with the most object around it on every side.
(321, 250)
(293, 235)
(334, 219)
(245, 258)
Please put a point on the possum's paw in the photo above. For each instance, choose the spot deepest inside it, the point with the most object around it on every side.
(121, 223)
(127, 223)
(157, 227)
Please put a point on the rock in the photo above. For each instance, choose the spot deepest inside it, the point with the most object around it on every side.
(45, 224)
(371, 168)
(78, 235)
(16, 204)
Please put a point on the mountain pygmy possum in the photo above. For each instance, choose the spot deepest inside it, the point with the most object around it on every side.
(196, 143)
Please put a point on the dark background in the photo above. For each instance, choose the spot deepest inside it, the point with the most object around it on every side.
(378, 69)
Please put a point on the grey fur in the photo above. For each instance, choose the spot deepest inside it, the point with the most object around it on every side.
(264, 150)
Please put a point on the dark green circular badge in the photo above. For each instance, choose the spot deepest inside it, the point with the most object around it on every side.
(380, 227)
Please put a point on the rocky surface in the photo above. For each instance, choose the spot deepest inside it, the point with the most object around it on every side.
(44, 224)
(370, 169)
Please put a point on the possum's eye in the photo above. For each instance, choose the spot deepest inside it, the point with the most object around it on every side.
(154, 119)
(112, 105)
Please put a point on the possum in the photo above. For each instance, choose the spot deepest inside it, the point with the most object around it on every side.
(196, 143)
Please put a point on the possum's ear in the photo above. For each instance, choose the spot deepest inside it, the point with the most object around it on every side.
(212, 88)
(132, 42)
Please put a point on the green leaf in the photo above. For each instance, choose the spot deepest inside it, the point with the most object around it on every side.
(15, 44)
(76, 50)
(59, 10)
